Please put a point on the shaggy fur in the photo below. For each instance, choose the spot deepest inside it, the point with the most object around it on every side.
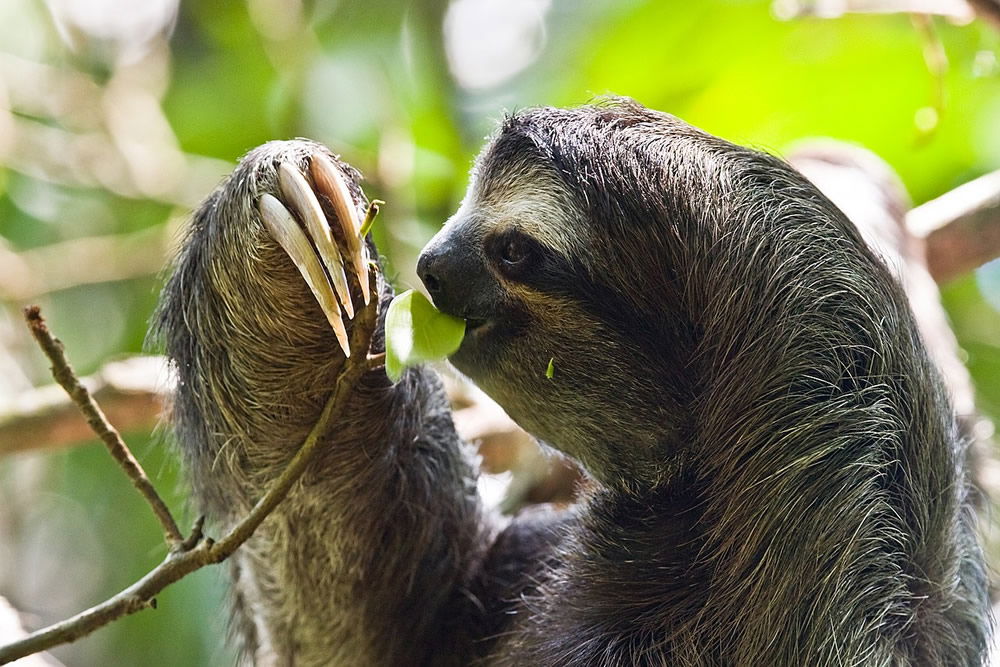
(778, 478)
(370, 551)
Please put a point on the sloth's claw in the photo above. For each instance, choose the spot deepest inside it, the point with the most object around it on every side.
(314, 250)
(292, 239)
(297, 192)
(328, 182)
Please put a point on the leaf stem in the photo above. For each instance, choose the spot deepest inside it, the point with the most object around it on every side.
(373, 209)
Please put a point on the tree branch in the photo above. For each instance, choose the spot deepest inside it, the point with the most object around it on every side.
(955, 10)
(130, 391)
(67, 379)
(961, 228)
(29, 274)
(196, 551)
(987, 10)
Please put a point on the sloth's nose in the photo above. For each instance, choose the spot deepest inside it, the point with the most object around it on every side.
(435, 268)
(427, 269)
(451, 274)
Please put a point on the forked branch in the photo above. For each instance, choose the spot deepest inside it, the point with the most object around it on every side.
(68, 380)
(196, 551)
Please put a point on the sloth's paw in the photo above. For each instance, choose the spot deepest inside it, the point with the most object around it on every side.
(318, 226)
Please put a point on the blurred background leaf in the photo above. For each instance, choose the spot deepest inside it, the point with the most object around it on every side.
(117, 117)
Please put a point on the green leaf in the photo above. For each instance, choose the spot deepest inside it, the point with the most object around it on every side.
(550, 371)
(416, 331)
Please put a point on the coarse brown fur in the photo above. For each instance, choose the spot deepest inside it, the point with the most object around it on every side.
(778, 477)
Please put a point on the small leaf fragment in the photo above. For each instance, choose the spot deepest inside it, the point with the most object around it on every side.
(416, 331)
(551, 370)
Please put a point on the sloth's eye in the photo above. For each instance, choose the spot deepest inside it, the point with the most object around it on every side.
(514, 251)
(514, 254)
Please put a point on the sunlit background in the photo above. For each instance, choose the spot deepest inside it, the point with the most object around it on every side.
(118, 116)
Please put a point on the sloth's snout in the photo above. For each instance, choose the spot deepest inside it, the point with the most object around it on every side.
(439, 269)
(453, 276)
(428, 269)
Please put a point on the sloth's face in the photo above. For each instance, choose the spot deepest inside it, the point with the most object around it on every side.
(500, 264)
(554, 346)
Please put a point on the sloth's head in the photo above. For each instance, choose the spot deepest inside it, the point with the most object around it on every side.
(608, 240)
(561, 264)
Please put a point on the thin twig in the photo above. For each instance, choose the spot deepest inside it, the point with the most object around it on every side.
(67, 379)
(370, 214)
(198, 551)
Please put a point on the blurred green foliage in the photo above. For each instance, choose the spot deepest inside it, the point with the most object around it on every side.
(371, 78)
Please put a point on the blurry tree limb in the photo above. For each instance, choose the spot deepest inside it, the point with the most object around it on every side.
(40, 90)
(113, 136)
(197, 550)
(11, 627)
(961, 228)
(988, 10)
(959, 11)
(68, 380)
(131, 392)
(92, 159)
(27, 275)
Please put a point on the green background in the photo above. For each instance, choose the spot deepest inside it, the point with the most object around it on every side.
(373, 79)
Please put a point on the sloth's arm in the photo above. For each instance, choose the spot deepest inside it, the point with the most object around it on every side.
(382, 553)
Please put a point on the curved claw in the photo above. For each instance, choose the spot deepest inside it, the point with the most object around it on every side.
(296, 190)
(292, 239)
(328, 181)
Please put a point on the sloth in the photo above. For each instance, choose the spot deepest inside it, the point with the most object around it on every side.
(775, 472)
